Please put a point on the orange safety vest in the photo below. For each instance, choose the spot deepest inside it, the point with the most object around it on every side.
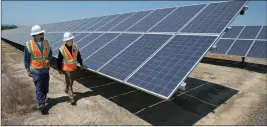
(70, 60)
(37, 57)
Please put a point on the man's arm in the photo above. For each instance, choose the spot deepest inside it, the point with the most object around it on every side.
(59, 61)
(27, 59)
(50, 53)
(79, 58)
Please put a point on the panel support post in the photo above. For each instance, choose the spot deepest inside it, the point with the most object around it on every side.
(182, 86)
(243, 60)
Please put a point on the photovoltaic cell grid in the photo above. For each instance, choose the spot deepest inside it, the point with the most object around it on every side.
(87, 39)
(165, 71)
(223, 45)
(130, 21)
(214, 18)
(96, 44)
(102, 22)
(177, 19)
(127, 56)
(233, 33)
(249, 32)
(263, 33)
(114, 22)
(126, 62)
(110, 50)
(243, 41)
(240, 47)
(258, 49)
(149, 21)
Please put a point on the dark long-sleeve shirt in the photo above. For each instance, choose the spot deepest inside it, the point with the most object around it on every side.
(60, 58)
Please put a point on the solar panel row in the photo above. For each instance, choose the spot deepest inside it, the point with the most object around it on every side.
(126, 48)
(246, 32)
(245, 41)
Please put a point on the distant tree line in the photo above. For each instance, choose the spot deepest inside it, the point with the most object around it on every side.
(6, 27)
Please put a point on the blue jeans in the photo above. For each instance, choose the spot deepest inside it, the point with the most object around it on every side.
(41, 82)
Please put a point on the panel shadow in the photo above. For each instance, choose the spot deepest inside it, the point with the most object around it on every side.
(259, 68)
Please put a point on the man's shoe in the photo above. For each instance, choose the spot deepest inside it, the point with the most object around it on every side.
(72, 102)
(43, 109)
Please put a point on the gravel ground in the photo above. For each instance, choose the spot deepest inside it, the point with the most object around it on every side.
(221, 93)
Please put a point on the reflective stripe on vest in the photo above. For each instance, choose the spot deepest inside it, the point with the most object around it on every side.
(37, 57)
(70, 60)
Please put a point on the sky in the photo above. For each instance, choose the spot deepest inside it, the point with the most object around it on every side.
(24, 13)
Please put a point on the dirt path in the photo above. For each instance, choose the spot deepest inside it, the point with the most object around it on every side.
(217, 95)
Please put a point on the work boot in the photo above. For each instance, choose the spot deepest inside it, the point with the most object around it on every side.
(72, 101)
(43, 109)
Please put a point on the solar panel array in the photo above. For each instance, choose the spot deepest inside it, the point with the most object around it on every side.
(152, 50)
(245, 41)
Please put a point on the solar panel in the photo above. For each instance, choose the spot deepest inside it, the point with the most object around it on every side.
(63, 25)
(162, 74)
(80, 24)
(89, 38)
(126, 62)
(223, 45)
(263, 33)
(214, 18)
(96, 44)
(57, 37)
(249, 32)
(149, 21)
(233, 33)
(240, 47)
(72, 25)
(90, 23)
(79, 36)
(102, 22)
(177, 19)
(114, 22)
(110, 50)
(115, 49)
(258, 49)
(130, 21)
(246, 34)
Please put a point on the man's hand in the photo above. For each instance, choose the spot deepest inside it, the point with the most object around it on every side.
(82, 67)
(30, 74)
(60, 72)
(46, 63)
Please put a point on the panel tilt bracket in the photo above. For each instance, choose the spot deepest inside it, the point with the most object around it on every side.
(213, 48)
(182, 86)
(242, 12)
(243, 59)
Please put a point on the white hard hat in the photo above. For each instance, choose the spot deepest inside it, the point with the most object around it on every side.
(36, 29)
(67, 36)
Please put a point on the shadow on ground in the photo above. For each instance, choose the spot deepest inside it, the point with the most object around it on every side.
(236, 64)
(183, 109)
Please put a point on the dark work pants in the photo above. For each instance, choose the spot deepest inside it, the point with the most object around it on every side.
(69, 77)
(41, 82)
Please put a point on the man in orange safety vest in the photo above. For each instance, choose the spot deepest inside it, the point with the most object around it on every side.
(68, 59)
(37, 59)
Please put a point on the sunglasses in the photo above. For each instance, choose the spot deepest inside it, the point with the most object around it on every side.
(41, 34)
